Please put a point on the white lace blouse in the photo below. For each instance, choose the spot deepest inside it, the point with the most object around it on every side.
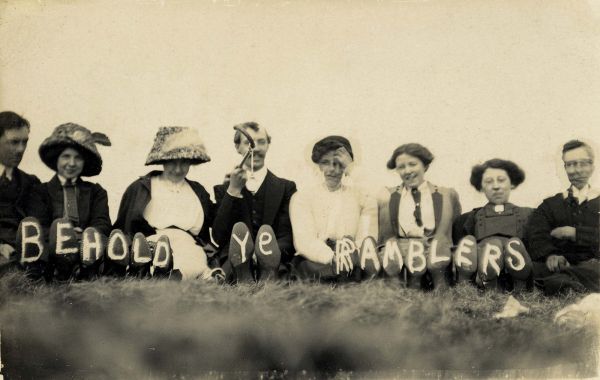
(318, 214)
(174, 204)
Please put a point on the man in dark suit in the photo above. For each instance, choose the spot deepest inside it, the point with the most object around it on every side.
(564, 230)
(254, 196)
(15, 185)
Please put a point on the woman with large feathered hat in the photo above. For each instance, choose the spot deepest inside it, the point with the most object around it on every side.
(70, 151)
(166, 203)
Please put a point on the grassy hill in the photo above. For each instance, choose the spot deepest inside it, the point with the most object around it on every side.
(164, 329)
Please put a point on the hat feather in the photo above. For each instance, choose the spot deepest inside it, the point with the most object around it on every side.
(101, 138)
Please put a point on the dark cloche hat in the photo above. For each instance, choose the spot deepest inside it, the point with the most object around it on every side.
(328, 144)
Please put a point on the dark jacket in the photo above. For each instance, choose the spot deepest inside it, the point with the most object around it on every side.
(137, 196)
(231, 210)
(92, 204)
(466, 224)
(555, 212)
(25, 184)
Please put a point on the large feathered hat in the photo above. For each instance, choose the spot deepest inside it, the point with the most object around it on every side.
(177, 143)
(71, 135)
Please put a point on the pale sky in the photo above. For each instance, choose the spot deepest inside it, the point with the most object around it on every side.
(471, 80)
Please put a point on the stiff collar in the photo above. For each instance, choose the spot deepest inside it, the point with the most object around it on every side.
(424, 187)
(256, 179)
(586, 193)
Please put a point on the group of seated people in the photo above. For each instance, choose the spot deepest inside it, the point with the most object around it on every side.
(261, 227)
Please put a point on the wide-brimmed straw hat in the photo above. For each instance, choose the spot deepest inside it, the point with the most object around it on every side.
(71, 135)
(177, 143)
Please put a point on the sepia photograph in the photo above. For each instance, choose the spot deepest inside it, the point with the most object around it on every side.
(299, 189)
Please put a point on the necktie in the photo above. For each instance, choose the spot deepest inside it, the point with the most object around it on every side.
(571, 200)
(416, 194)
(71, 211)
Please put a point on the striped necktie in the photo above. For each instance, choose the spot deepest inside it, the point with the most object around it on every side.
(416, 194)
(571, 200)
(71, 210)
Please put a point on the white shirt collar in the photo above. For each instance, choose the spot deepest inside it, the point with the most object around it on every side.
(63, 180)
(8, 170)
(424, 187)
(256, 179)
(586, 193)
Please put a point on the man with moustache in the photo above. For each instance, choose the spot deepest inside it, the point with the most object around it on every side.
(256, 197)
(15, 185)
(564, 230)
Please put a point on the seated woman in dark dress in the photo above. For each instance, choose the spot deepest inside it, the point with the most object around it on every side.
(489, 238)
(71, 152)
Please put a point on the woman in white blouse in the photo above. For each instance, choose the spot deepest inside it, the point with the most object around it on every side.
(329, 214)
(167, 203)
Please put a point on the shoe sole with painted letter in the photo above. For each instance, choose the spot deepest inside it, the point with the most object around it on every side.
(267, 253)
(240, 252)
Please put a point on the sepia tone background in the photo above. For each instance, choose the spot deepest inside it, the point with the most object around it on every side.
(471, 80)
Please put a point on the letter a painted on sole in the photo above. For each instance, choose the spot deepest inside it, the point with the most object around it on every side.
(369, 261)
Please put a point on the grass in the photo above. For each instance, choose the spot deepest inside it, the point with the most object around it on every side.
(163, 329)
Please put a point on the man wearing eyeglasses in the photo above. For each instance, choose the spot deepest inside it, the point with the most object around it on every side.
(564, 230)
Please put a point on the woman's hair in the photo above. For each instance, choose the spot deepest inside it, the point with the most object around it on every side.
(515, 173)
(412, 149)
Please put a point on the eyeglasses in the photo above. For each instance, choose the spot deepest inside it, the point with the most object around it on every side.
(578, 163)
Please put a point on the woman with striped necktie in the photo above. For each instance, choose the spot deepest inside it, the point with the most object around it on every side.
(417, 216)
